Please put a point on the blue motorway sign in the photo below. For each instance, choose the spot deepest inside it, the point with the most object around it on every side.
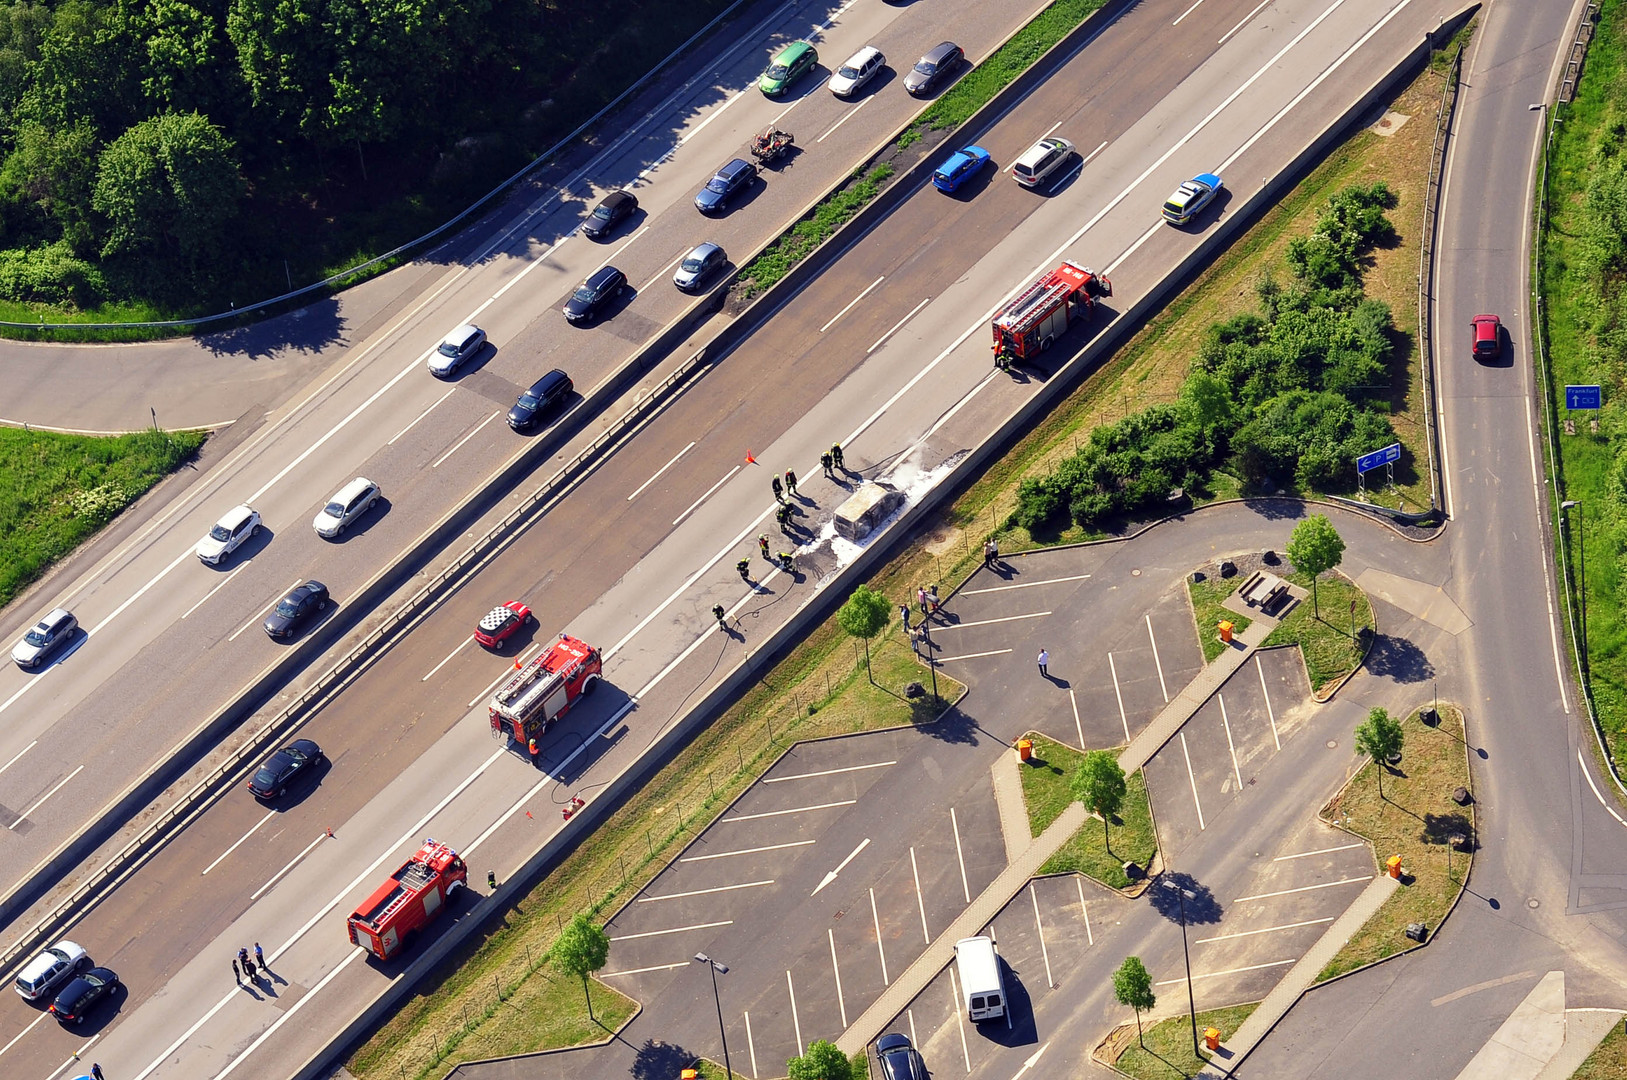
(1584, 397)
(1387, 456)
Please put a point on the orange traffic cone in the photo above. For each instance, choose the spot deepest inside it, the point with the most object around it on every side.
(749, 459)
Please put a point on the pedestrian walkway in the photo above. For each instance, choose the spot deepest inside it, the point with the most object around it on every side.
(1008, 796)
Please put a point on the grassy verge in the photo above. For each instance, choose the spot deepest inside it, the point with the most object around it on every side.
(819, 690)
(795, 243)
(1608, 1060)
(1208, 613)
(1130, 836)
(56, 491)
(1168, 1053)
(1415, 819)
(1325, 639)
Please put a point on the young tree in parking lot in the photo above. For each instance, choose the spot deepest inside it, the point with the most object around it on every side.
(581, 950)
(823, 1061)
(864, 616)
(1132, 986)
(1099, 784)
(1379, 737)
(1315, 546)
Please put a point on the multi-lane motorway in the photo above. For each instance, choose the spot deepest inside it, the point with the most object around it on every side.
(885, 353)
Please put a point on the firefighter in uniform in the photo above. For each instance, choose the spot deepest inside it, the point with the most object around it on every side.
(783, 516)
(719, 614)
(762, 545)
(744, 567)
(826, 461)
(836, 456)
(785, 561)
(790, 482)
(779, 492)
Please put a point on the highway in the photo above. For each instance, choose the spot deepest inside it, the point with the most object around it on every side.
(633, 565)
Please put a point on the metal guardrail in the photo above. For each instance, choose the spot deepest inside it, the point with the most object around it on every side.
(1426, 270)
(1578, 51)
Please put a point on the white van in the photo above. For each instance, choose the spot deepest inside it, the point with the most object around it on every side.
(981, 987)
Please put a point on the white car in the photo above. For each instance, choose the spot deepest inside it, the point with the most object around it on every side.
(348, 503)
(46, 636)
(459, 345)
(859, 69)
(229, 533)
(50, 967)
(1041, 160)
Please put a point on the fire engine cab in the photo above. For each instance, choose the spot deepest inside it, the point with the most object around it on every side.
(407, 900)
(544, 690)
(1041, 313)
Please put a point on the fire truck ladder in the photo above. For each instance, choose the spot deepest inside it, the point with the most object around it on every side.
(414, 876)
(1033, 305)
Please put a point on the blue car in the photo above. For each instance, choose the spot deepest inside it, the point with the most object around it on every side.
(961, 166)
(730, 181)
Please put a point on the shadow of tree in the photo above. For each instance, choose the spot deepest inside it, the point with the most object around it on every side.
(1201, 907)
(1453, 828)
(657, 1060)
(1399, 659)
(312, 328)
(953, 726)
(1274, 509)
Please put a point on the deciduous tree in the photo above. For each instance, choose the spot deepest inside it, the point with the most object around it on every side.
(1132, 986)
(580, 951)
(1315, 547)
(1099, 783)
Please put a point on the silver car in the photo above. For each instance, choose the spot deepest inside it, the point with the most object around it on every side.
(1041, 160)
(459, 346)
(348, 503)
(52, 631)
(229, 533)
(698, 265)
(49, 968)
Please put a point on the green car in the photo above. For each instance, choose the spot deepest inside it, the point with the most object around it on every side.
(790, 64)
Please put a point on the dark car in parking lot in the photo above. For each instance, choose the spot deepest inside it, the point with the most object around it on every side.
(594, 294)
(537, 399)
(932, 69)
(612, 210)
(899, 1059)
(280, 769)
(730, 181)
(82, 994)
(302, 603)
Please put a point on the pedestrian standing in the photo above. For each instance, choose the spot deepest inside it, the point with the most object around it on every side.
(762, 545)
(825, 462)
(783, 516)
(260, 956)
(1044, 658)
(237, 972)
(904, 613)
(248, 969)
(96, 1071)
(720, 614)
(836, 456)
(988, 552)
(932, 598)
(920, 596)
(491, 879)
(243, 958)
(790, 482)
(779, 492)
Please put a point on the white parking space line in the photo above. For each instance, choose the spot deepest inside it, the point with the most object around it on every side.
(1304, 888)
(644, 970)
(19, 754)
(850, 114)
(973, 655)
(449, 392)
(216, 589)
(880, 340)
(1263, 930)
(782, 813)
(252, 830)
(745, 851)
(1123, 718)
(41, 800)
(459, 444)
(1039, 925)
(1319, 851)
(796, 1021)
(751, 1045)
(1242, 24)
(295, 861)
(673, 930)
(914, 1041)
(841, 1002)
(1229, 971)
(1187, 12)
(852, 302)
(1090, 938)
(461, 646)
(829, 772)
(954, 824)
(703, 892)
(658, 472)
(1266, 693)
(920, 901)
(991, 622)
(1077, 725)
(1227, 724)
(260, 615)
(1193, 780)
(519, 662)
(1024, 585)
(625, 244)
(1161, 684)
(703, 498)
(875, 919)
(959, 1010)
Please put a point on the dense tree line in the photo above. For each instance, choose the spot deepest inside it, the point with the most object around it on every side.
(1283, 394)
(157, 148)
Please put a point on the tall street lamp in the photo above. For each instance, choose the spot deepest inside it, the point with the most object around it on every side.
(1182, 896)
(723, 969)
(1581, 548)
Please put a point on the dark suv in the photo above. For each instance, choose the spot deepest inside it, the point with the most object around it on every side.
(595, 294)
(730, 181)
(932, 69)
(543, 395)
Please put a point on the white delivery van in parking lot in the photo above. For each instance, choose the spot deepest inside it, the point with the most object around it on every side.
(981, 987)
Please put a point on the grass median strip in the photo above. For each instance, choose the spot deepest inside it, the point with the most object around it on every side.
(1168, 1052)
(1047, 779)
(1608, 1060)
(1333, 633)
(1417, 820)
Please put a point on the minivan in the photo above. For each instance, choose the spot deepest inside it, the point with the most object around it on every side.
(1041, 160)
(982, 989)
(49, 968)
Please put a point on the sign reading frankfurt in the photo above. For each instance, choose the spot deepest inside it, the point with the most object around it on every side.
(1584, 397)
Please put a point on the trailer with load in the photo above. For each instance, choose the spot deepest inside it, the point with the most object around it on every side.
(543, 690)
(1041, 313)
(408, 900)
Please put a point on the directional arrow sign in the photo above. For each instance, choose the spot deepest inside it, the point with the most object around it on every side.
(1029, 1064)
(830, 877)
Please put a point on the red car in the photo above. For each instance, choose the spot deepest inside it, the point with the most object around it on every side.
(499, 624)
(1488, 337)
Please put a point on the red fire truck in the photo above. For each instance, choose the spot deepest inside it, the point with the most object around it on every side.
(544, 690)
(407, 900)
(1041, 313)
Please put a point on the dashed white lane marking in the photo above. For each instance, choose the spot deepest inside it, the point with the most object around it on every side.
(519, 662)
(449, 392)
(845, 118)
(673, 930)
(703, 498)
(217, 588)
(461, 646)
(659, 471)
(782, 813)
(1194, 781)
(851, 303)
(1304, 888)
(883, 338)
(829, 772)
(1123, 718)
(1227, 724)
(1263, 930)
(459, 444)
(1319, 851)
(41, 800)
(745, 851)
(1187, 12)
(18, 1037)
(703, 892)
(1242, 24)
(991, 622)
(18, 755)
(262, 612)
(1024, 585)
(1163, 686)
(252, 829)
(1228, 971)
(1266, 693)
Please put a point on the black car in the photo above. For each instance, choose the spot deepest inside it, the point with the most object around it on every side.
(616, 208)
(899, 1060)
(279, 770)
(301, 603)
(604, 286)
(932, 69)
(79, 996)
(543, 395)
(730, 180)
